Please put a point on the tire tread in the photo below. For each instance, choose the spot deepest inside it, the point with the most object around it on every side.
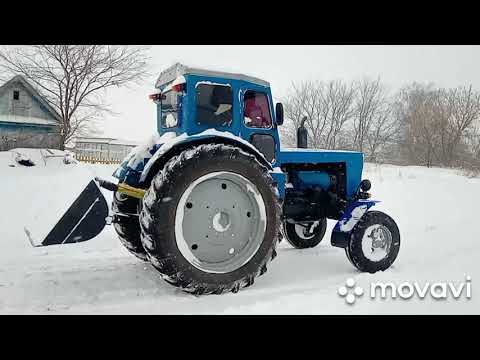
(166, 265)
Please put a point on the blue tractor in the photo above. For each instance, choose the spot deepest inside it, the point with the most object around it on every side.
(207, 199)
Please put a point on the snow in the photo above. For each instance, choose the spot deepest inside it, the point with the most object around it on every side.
(141, 152)
(211, 83)
(434, 209)
(19, 157)
(170, 121)
(179, 80)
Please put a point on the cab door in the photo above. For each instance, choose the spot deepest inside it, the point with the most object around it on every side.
(257, 120)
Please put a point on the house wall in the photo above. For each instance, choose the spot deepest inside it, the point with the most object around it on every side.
(24, 121)
(25, 106)
(21, 136)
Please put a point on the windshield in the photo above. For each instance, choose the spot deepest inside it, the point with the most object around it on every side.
(169, 109)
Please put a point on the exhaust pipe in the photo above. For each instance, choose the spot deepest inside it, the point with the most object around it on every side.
(302, 135)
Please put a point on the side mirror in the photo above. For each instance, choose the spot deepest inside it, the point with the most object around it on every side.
(279, 113)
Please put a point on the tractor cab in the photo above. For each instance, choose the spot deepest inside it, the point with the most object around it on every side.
(191, 101)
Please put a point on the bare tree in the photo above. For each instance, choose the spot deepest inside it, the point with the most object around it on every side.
(382, 135)
(437, 123)
(371, 110)
(463, 104)
(294, 109)
(327, 106)
(421, 124)
(415, 114)
(336, 111)
(303, 100)
(73, 78)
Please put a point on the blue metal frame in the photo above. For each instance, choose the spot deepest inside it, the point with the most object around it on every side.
(345, 225)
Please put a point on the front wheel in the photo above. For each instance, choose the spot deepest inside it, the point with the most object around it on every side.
(305, 235)
(374, 243)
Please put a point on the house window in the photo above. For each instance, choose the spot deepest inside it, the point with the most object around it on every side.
(16, 95)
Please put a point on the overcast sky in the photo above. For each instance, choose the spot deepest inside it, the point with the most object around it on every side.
(397, 65)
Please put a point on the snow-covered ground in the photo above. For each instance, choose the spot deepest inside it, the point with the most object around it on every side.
(435, 210)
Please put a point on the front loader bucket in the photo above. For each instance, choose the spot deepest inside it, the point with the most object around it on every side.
(83, 220)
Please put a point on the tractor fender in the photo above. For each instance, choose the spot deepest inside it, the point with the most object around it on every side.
(352, 215)
(175, 145)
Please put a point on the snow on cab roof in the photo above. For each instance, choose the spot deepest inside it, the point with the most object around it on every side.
(178, 69)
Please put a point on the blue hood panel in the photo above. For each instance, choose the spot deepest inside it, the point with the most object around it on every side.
(353, 161)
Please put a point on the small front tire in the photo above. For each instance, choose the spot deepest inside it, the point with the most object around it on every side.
(374, 243)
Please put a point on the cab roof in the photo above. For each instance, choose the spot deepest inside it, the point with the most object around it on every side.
(178, 69)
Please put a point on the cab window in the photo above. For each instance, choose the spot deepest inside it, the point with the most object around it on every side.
(256, 111)
(214, 104)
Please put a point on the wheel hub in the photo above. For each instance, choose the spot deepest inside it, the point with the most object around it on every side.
(220, 222)
(379, 238)
(306, 231)
(376, 242)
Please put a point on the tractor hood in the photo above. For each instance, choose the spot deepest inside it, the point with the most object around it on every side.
(295, 155)
(353, 162)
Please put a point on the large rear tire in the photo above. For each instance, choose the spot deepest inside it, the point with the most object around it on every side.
(210, 219)
(127, 225)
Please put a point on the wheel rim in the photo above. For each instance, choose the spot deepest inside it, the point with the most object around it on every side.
(302, 231)
(376, 242)
(220, 222)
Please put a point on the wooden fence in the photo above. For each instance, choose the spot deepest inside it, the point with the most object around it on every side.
(95, 160)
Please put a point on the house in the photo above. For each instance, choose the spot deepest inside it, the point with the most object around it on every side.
(103, 150)
(26, 119)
